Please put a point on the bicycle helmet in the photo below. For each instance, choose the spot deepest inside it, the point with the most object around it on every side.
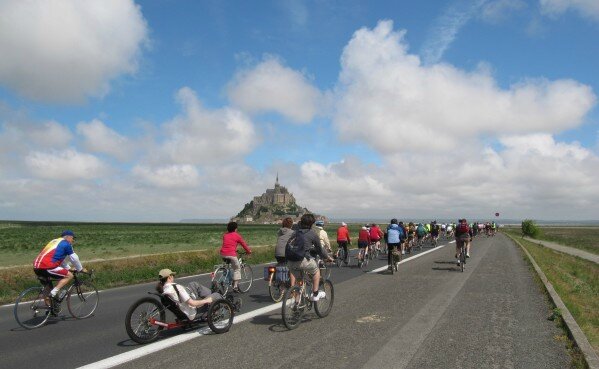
(393, 221)
(319, 223)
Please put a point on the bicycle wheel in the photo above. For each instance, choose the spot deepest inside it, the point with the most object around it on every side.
(277, 290)
(294, 305)
(220, 277)
(31, 310)
(323, 306)
(340, 258)
(220, 316)
(247, 277)
(463, 260)
(83, 299)
(138, 321)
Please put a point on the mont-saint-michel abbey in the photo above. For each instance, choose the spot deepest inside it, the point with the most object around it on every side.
(271, 207)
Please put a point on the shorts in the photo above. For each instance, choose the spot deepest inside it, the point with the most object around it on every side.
(391, 246)
(54, 273)
(362, 244)
(309, 267)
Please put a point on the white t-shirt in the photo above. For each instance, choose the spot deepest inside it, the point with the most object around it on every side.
(169, 290)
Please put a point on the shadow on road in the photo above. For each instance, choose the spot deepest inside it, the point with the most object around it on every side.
(453, 268)
(274, 320)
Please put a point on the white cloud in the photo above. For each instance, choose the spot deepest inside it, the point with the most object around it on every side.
(271, 86)
(64, 50)
(201, 136)
(498, 10)
(586, 8)
(388, 99)
(99, 138)
(172, 176)
(65, 165)
(21, 135)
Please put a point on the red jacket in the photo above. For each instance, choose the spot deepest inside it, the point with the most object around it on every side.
(343, 234)
(376, 234)
(230, 242)
(364, 235)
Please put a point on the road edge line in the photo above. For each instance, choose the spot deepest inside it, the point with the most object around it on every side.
(576, 333)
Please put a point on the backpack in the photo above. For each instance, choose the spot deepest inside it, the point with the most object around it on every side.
(295, 250)
(463, 228)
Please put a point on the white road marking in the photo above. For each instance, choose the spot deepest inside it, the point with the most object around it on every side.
(411, 258)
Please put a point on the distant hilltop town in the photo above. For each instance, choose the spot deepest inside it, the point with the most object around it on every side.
(271, 207)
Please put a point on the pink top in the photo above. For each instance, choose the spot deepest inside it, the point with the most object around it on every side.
(230, 242)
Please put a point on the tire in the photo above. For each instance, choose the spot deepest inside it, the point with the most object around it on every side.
(31, 310)
(220, 316)
(293, 311)
(137, 320)
(220, 277)
(83, 300)
(277, 290)
(323, 306)
(247, 277)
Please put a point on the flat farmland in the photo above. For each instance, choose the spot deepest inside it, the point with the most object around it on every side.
(584, 238)
(20, 242)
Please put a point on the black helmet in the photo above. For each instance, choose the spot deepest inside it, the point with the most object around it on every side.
(393, 221)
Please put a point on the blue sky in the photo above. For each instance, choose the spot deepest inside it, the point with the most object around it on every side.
(163, 110)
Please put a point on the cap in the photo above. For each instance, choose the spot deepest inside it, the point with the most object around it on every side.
(343, 224)
(165, 273)
(67, 232)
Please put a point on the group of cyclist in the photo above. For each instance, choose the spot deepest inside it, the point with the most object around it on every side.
(52, 262)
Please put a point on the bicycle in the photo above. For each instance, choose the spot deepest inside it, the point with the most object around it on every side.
(146, 318)
(325, 269)
(373, 250)
(278, 281)
(222, 276)
(395, 260)
(462, 256)
(297, 301)
(363, 258)
(340, 257)
(35, 306)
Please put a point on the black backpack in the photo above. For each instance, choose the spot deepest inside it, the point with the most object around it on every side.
(295, 250)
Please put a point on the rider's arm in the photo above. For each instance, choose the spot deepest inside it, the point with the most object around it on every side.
(241, 241)
(75, 260)
(318, 246)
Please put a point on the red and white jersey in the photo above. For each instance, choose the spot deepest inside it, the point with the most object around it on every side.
(53, 254)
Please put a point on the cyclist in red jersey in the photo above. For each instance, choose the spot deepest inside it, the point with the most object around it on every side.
(343, 239)
(376, 234)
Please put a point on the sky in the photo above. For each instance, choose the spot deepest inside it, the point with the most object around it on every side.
(162, 110)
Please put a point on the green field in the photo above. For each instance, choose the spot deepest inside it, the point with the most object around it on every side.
(583, 238)
(20, 242)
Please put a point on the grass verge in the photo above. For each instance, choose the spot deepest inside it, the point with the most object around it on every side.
(132, 271)
(577, 283)
(582, 238)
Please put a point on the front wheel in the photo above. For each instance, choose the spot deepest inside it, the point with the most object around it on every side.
(83, 300)
(246, 278)
(139, 321)
(220, 280)
(323, 306)
(31, 309)
(294, 305)
(220, 316)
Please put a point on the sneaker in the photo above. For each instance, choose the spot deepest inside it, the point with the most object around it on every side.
(458, 263)
(320, 295)
(403, 252)
(467, 255)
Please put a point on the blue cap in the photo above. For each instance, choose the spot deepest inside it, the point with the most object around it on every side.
(68, 232)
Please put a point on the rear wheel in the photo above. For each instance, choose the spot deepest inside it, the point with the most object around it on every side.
(246, 278)
(277, 290)
(83, 300)
(138, 321)
(294, 305)
(31, 309)
(323, 306)
(220, 316)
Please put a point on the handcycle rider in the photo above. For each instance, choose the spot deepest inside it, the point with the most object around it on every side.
(52, 262)
(191, 300)
(312, 247)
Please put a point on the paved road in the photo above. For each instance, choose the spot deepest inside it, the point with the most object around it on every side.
(566, 249)
(429, 315)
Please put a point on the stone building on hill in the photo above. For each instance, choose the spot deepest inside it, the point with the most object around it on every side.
(271, 207)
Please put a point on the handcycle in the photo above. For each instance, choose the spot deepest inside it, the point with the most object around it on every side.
(296, 301)
(35, 306)
(146, 318)
(222, 276)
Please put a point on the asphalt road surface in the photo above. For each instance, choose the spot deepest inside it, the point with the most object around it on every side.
(428, 315)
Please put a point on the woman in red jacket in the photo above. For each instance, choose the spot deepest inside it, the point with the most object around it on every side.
(228, 251)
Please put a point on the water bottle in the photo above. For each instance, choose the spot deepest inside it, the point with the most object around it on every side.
(62, 294)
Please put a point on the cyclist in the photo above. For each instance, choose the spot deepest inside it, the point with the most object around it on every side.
(52, 262)
(394, 237)
(420, 233)
(493, 228)
(190, 300)
(434, 232)
(322, 234)
(283, 236)
(308, 265)
(462, 238)
(411, 237)
(363, 243)
(375, 236)
(228, 251)
(343, 239)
